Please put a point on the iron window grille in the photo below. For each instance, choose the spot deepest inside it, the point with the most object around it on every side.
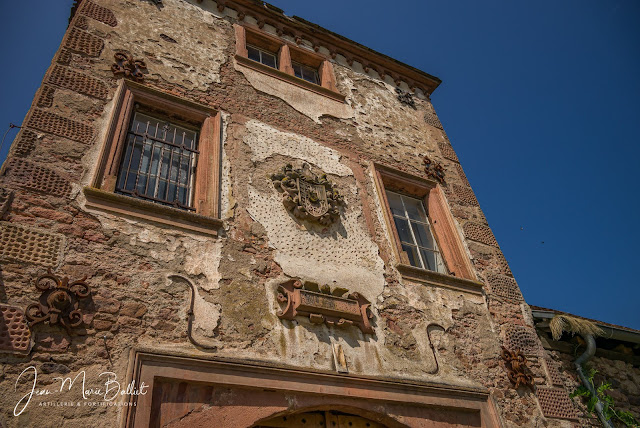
(307, 73)
(259, 55)
(414, 231)
(159, 162)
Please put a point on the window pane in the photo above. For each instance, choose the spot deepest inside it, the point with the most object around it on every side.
(415, 209)
(423, 235)
(310, 75)
(395, 204)
(413, 255)
(297, 70)
(403, 230)
(254, 53)
(268, 59)
(429, 258)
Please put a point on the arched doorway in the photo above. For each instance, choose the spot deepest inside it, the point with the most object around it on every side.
(319, 419)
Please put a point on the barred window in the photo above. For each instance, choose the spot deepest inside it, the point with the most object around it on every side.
(414, 232)
(159, 162)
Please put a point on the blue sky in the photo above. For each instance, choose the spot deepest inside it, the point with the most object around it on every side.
(539, 99)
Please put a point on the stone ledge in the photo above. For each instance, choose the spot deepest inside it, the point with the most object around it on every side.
(439, 279)
(139, 208)
(289, 78)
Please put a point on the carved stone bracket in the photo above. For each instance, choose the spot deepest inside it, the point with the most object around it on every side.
(126, 66)
(322, 305)
(433, 169)
(517, 370)
(406, 98)
(307, 195)
(59, 301)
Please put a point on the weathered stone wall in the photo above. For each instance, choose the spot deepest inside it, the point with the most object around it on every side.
(131, 264)
(623, 377)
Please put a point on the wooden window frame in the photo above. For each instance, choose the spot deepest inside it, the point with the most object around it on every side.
(206, 200)
(286, 53)
(450, 244)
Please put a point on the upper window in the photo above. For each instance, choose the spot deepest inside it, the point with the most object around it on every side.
(286, 61)
(159, 162)
(307, 73)
(262, 56)
(414, 231)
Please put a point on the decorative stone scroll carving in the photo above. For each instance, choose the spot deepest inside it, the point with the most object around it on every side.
(59, 301)
(433, 169)
(322, 305)
(406, 98)
(307, 195)
(126, 66)
(517, 370)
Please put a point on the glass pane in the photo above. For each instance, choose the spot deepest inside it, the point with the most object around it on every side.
(415, 209)
(297, 70)
(395, 204)
(268, 59)
(254, 53)
(310, 75)
(413, 255)
(142, 183)
(403, 230)
(429, 258)
(423, 235)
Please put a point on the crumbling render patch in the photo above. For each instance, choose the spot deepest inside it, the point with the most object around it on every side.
(266, 141)
(306, 102)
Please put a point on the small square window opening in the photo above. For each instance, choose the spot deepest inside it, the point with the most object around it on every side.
(414, 231)
(259, 55)
(307, 73)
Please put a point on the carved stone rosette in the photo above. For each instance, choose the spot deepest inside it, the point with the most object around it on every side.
(126, 66)
(307, 195)
(517, 370)
(433, 169)
(58, 301)
(324, 306)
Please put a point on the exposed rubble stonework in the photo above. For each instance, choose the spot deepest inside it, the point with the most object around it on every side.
(227, 307)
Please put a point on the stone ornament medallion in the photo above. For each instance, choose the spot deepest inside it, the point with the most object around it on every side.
(307, 195)
(59, 301)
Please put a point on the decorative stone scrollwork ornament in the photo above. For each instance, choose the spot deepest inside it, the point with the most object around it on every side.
(59, 301)
(307, 195)
(433, 169)
(323, 305)
(517, 370)
(406, 98)
(126, 66)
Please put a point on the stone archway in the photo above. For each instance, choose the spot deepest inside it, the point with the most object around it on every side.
(324, 418)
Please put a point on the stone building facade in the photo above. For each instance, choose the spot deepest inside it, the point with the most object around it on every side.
(218, 215)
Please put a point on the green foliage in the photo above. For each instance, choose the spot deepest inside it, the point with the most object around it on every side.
(608, 405)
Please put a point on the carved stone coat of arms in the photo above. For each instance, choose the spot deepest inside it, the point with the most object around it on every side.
(307, 195)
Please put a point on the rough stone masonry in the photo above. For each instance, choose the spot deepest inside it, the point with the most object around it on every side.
(204, 289)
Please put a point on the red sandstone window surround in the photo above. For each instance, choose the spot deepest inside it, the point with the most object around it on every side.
(294, 64)
(448, 244)
(160, 160)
